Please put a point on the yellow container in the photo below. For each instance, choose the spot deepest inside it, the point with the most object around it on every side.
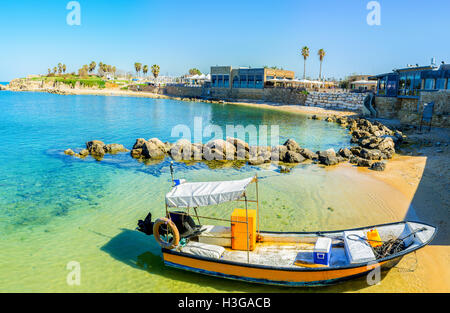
(239, 230)
(374, 238)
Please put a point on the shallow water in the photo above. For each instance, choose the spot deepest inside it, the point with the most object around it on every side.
(55, 209)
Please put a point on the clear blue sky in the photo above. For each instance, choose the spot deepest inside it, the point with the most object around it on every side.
(179, 35)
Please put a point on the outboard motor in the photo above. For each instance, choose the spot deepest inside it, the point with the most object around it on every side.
(146, 226)
(185, 224)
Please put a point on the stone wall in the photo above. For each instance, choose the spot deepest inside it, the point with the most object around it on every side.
(387, 107)
(409, 110)
(339, 101)
(276, 95)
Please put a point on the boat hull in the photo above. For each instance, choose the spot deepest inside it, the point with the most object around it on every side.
(288, 276)
(273, 276)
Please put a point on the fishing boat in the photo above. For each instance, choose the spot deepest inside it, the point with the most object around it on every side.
(240, 251)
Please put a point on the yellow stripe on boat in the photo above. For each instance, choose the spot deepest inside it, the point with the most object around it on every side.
(267, 274)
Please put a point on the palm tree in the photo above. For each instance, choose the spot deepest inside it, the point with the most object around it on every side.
(305, 54)
(59, 68)
(64, 68)
(54, 70)
(92, 66)
(145, 69)
(195, 71)
(138, 67)
(114, 71)
(155, 70)
(321, 53)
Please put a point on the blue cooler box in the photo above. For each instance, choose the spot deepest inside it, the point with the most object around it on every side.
(322, 251)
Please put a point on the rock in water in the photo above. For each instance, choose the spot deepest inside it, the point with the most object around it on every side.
(139, 143)
(96, 148)
(292, 145)
(293, 157)
(115, 148)
(69, 152)
(308, 154)
(84, 153)
(151, 151)
(284, 169)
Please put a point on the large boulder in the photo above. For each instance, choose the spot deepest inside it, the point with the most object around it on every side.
(308, 154)
(114, 148)
(279, 153)
(151, 151)
(292, 145)
(181, 150)
(238, 143)
(257, 160)
(293, 157)
(96, 148)
(139, 143)
(328, 157)
(136, 153)
(345, 153)
(362, 162)
(223, 149)
(159, 144)
(386, 144)
(370, 154)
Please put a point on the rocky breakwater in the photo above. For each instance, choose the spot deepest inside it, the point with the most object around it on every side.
(97, 149)
(231, 149)
(372, 144)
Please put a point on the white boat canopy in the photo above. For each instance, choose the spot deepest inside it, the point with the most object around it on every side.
(192, 195)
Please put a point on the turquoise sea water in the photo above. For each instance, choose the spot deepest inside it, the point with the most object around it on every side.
(55, 208)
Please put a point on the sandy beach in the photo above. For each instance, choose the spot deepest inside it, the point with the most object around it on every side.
(421, 172)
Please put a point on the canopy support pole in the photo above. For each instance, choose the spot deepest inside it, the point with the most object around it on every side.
(196, 214)
(257, 201)
(246, 219)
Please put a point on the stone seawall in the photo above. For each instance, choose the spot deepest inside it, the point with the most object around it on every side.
(337, 101)
(275, 95)
(409, 110)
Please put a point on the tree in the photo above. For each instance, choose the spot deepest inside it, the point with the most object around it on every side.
(83, 72)
(114, 71)
(195, 71)
(145, 69)
(305, 54)
(59, 68)
(64, 68)
(321, 53)
(54, 70)
(92, 66)
(155, 70)
(138, 67)
(49, 71)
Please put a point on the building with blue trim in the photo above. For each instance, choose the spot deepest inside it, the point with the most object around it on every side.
(408, 82)
(245, 77)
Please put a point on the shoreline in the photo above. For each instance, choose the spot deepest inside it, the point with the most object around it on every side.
(294, 109)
